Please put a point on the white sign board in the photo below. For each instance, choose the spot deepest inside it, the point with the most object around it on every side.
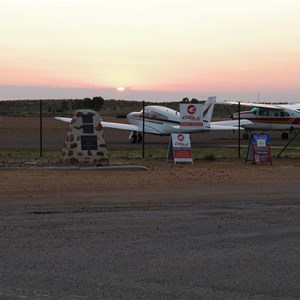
(191, 114)
(180, 149)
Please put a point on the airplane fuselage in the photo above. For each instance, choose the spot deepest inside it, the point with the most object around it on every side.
(161, 120)
(270, 119)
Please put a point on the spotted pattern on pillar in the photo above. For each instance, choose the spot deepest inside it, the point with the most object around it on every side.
(84, 142)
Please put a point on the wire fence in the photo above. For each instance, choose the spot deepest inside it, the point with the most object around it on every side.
(42, 136)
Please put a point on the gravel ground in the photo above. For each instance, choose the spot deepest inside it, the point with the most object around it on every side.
(212, 230)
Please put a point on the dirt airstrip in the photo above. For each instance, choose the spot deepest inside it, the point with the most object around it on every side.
(209, 230)
(27, 180)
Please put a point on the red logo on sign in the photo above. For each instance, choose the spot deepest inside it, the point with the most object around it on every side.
(180, 137)
(191, 109)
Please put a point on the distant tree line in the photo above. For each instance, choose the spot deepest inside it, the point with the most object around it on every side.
(95, 103)
(187, 100)
(49, 107)
(106, 108)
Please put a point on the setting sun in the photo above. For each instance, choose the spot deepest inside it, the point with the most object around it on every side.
(154, 50)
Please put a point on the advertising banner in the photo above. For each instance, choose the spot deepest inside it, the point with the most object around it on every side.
(180, 148)
(191, 114)
(259, 149)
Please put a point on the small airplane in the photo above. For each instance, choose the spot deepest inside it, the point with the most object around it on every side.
(161, 120)
(269, 117)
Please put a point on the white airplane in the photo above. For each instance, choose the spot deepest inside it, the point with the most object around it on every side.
(269, 117)
(162, 120)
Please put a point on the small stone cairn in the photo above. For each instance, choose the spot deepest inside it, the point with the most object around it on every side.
(84, 143)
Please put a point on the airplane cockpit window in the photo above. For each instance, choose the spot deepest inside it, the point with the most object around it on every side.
(284, 113)
(150, 114)
(264, 112)
(147, 113)
(254, 110)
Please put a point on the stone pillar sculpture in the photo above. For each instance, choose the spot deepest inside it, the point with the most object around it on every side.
(84, 142)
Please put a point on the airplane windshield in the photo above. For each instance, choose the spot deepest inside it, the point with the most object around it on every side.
(264, 112)
(254, 110)
(153, 115)
(284, 113)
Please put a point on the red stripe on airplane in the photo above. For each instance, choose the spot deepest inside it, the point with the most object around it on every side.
(295, 121)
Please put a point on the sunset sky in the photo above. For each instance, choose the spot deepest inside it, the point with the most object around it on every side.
(155, 50)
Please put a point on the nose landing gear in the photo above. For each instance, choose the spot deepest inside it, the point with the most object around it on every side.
(246, 136)
(135, 137)
(284, 135)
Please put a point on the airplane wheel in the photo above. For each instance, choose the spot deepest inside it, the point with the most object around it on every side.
(139, 138)
(133, 139)
(245, 136)
(284, 135)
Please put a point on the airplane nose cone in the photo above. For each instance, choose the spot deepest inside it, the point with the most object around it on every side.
(132, 115)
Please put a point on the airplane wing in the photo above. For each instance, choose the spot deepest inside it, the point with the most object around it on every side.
(63, 119)
(295, 106)
(107, 124)
(229, 125)
(220, 125)
(121, 126)
(214, 126)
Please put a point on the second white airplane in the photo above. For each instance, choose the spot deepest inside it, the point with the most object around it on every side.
(162, 120)
(269, 117)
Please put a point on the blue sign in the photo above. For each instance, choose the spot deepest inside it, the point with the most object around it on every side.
(259, 149)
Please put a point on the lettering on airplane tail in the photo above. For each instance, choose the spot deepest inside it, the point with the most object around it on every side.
(191, 114)
(191, 109)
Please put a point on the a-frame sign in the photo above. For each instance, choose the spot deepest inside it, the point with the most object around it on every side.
(259, 149)
(180, 148)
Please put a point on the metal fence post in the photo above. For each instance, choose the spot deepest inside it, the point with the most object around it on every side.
(239, 108)
(41, 128)
(143, 129)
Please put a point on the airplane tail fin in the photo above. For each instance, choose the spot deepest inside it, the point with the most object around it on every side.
(208, 109)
